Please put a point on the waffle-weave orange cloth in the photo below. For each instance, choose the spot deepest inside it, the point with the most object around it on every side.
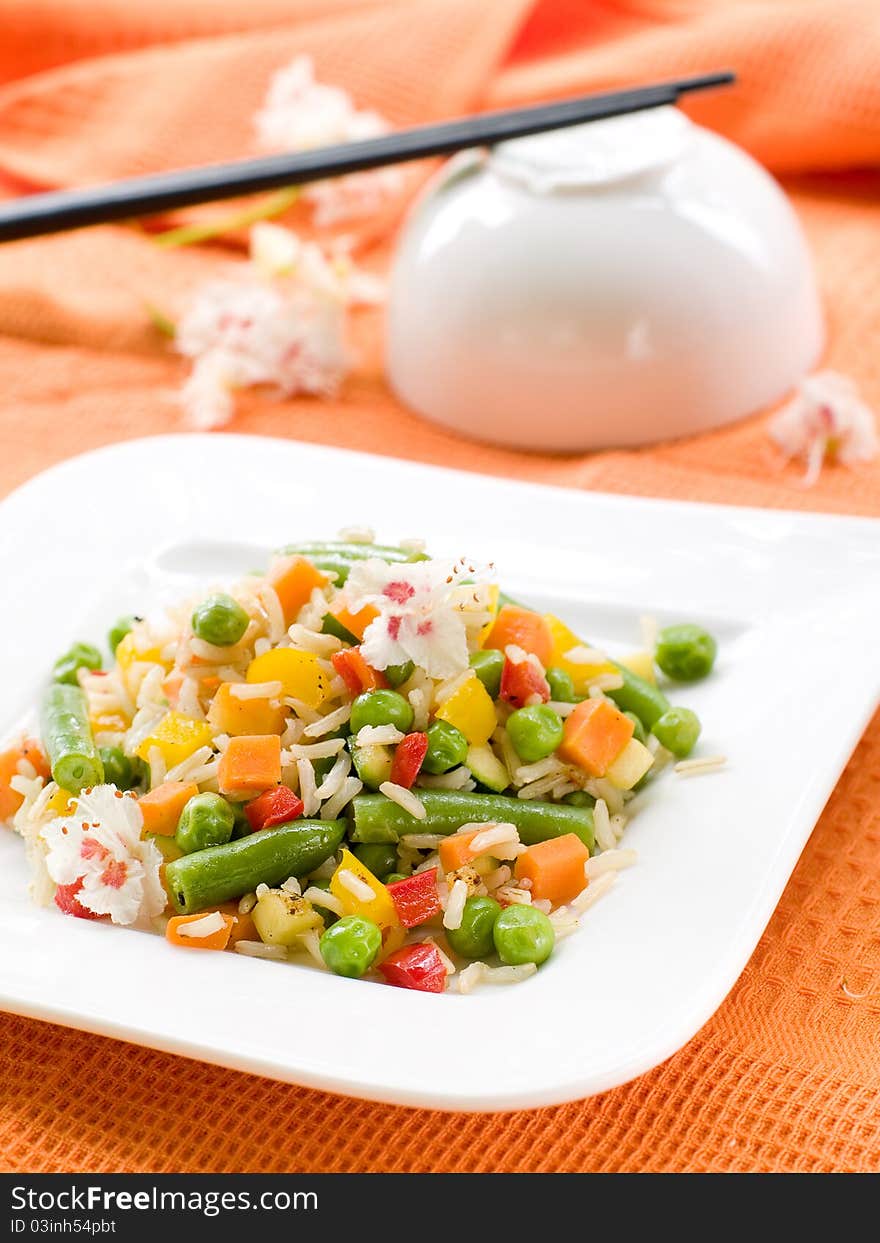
(784, 1077)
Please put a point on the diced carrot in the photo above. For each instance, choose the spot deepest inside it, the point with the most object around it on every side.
(555, 868)
(235, 716)
(294, 580)
(355, 672)
(243, 928)
(161, 808)
(213, 941)
(171, 684)
(456, 850)
(250, 763)
(594, 735)
(11, 800)
(524, 628)
(357, 622)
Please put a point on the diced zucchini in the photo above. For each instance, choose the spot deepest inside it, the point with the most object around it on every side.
(630, 766)
(487, 768)
(280, 917)
(372, 764)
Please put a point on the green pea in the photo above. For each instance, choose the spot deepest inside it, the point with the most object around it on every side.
(397, 674)
(523, 934)
(447, 747)
(220, 621)
(561, 687)
(678, 731)
(379, 858)
(206, 820)
(79, 656)
(118, 631)
(350, 947)
(381, 708)
(535, 732)
(579, 798)
(392, 877)
(488, 665)
(118, 768)
(639, 732)
(685, 652)
(473, 938)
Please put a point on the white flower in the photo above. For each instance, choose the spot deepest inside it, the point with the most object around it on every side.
(421, 614)
(100, 846)
(826, 418)
(283, 321)
(300, 114)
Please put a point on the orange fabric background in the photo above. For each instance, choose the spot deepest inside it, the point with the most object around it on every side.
(784, 1077)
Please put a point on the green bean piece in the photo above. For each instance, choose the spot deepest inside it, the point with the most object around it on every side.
(350, 947)
(488, 665)
(329, 625)
(220, 621)
(67, 737)
(119, 630)
(78, 656)
(473, 937)
(398, 674)
(685, 652)
(579, 798)
(338, 556)
(447, 748)
(269, 857)
(381, 708)
(376, 818)
(377, 857)
(535, 731)
(636, 695)
(639, 732)
(523, 934)
(118, 768)
(678, 730)
(206, 820)
(561, 686)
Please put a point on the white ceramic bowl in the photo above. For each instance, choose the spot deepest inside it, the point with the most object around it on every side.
(612, 284)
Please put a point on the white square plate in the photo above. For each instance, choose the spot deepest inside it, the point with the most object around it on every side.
(793, 598)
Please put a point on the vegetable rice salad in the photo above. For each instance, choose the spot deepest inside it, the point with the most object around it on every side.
(365, 757)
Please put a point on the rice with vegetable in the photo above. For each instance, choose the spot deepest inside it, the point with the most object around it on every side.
(365, 758)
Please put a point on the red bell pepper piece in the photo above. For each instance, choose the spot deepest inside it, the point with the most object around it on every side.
(357, 675)
(409, 756)
(67, 901)
(416, 966)
(520, 681)
(276, 806)
(415, 898)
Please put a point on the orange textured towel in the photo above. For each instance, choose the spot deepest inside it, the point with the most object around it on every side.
(784, 1076)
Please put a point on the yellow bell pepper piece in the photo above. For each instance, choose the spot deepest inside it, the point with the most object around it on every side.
(110, 723)
(564, 640)
(380, 908)
(494, 593)
(234, 716)
(642, 665)
(470, 709)
(127, 654)
(299, 673)
(176, 736)
(61, 803)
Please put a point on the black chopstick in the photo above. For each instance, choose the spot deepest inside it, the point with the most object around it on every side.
(33, 215)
